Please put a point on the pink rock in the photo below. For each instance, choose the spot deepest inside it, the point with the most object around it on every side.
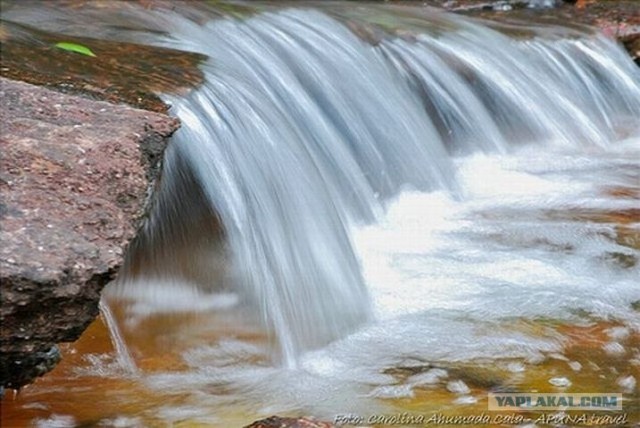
(74, 177)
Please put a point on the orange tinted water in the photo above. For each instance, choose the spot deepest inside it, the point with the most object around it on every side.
(88, 388)
(76, 387)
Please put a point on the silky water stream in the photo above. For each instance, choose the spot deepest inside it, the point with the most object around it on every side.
(369, 211)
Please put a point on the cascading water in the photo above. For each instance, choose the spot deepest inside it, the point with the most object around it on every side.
(291, 163)
(380, 186)
(303, 131)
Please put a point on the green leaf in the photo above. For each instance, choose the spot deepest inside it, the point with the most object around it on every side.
(74, 47)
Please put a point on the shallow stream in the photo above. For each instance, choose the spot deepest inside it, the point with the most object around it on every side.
(417, 209)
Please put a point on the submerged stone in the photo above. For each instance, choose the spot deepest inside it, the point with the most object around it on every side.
(280, 422)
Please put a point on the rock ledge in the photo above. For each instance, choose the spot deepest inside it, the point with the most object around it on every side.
(75, 175)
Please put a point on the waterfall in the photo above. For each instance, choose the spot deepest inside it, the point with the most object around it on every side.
(291, 160)
(305, 128)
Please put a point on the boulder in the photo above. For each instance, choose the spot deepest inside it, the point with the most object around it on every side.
(75, 178)
(280, 422)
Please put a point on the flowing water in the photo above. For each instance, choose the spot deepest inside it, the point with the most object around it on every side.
(371, 210)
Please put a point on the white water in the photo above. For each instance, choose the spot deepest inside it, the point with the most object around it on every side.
(451, 282)
(501, 253)
(419, 200)
(330, 163)
(303, 132)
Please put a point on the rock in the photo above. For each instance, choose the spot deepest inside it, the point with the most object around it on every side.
(21, 367)
(278, 422)
(121, 72)
(616, 18)
(75, 176)
(632, 44)
(496, 5)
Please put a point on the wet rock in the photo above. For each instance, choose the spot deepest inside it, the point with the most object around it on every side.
(632, 44)
(74, 176)
(119, 72)
(278, 422)
(22, 367)
(480, 376)
(496, 6)
(616, 18)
